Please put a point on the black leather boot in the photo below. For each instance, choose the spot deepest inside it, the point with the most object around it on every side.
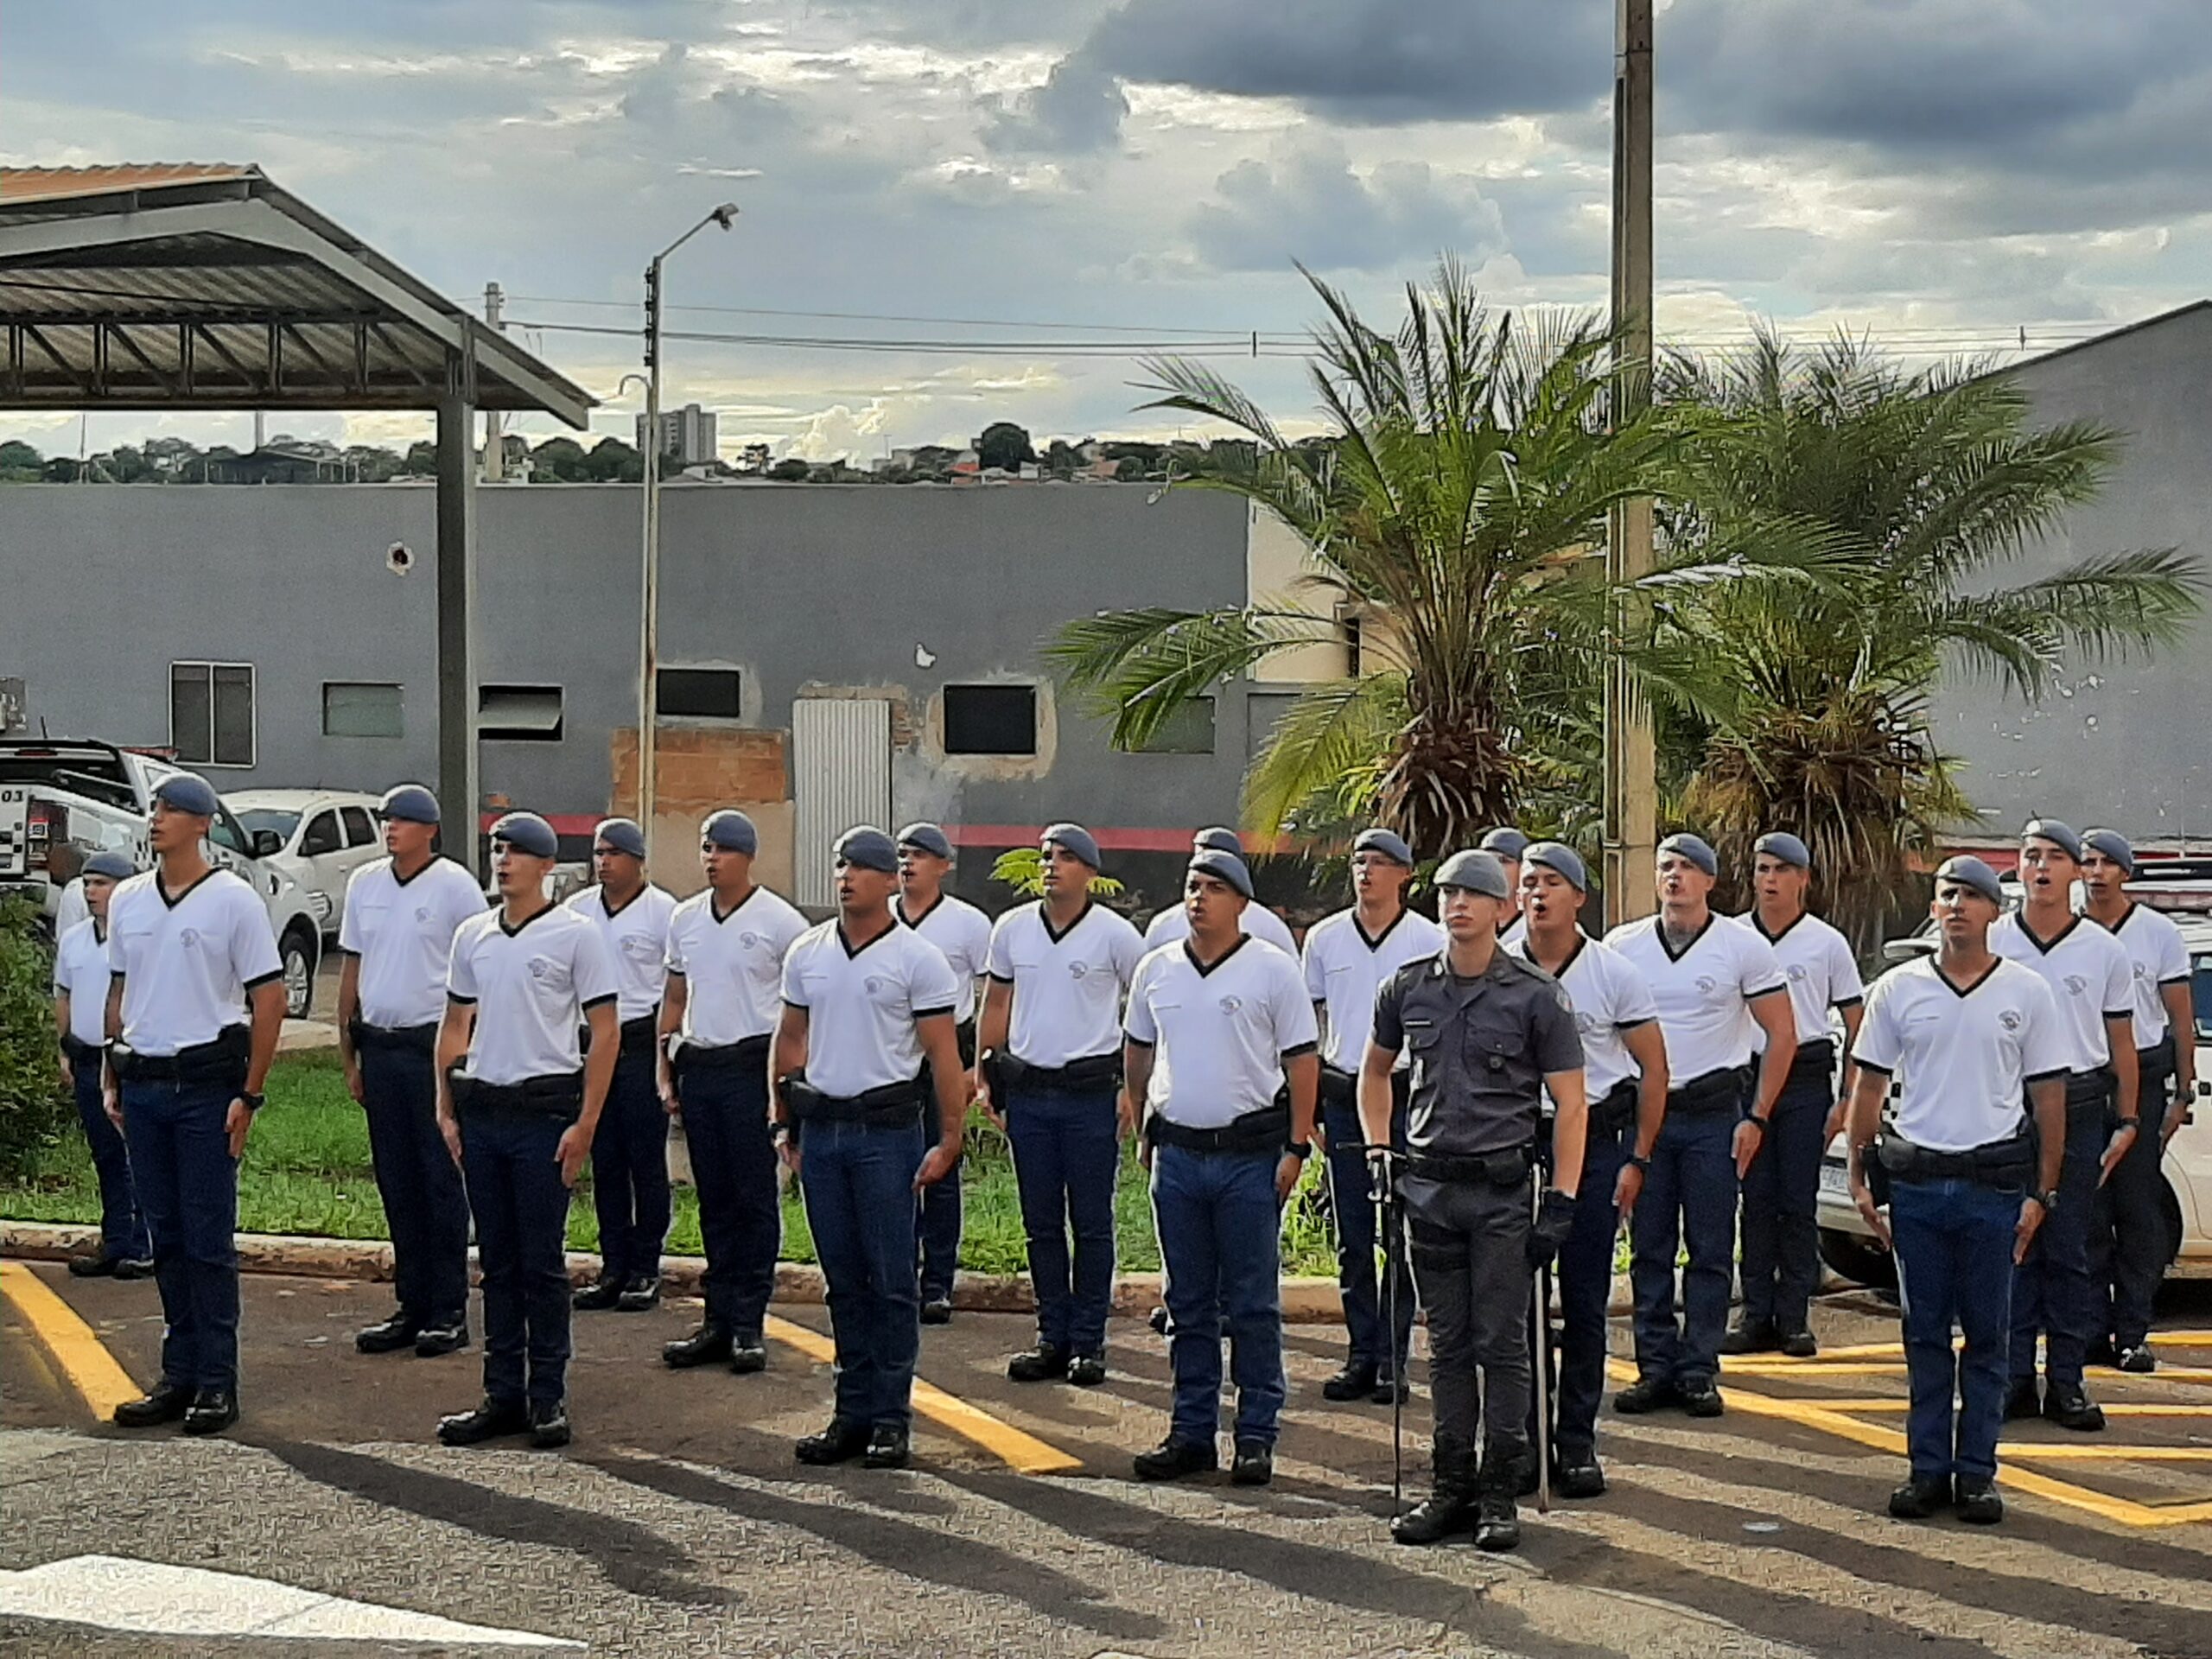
(1450, 1505)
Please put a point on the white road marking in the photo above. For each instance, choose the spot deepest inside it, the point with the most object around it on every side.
(153, 1599)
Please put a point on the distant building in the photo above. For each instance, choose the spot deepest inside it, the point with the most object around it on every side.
(754, 460)
(686, 433)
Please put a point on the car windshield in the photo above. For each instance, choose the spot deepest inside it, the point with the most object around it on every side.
(256, 819)
(2201, 993)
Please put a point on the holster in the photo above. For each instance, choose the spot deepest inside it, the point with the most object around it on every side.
(1815, 1061)
(79, 1052)
(418, 1040)
(1615, 1113)
(1338, 1089)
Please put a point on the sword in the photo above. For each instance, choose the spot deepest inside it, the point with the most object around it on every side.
(1383, 1191)
(1543, 1358)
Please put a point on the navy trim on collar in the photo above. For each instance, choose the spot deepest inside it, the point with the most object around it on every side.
(1375, 943)
(852, 950)
(198, 882)
(1205, 968)
(1659, 932)
(1045, 920)
(525, 922)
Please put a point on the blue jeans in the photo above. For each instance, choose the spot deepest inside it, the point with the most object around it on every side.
(2127, 1247)
(937, 1235)
(859, 1183)
(425, 1205)
(1067, 1149)
(734, 1172)
(1954, 1246)
(2052, 1290)
(1782, 1191)
(1586, 1286)
(629, 1170)
(123, 1230)
(1689, 1196)
(1220, 1244)
(188, 1187)
(522, 1225)
(1360, 1286)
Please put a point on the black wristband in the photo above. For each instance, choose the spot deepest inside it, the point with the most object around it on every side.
(1300, 1150)
(252, 1103)
(1756, 1122)
(1637, 1161)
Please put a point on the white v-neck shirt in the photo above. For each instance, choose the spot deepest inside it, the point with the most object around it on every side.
(1821, 971)
(1220, 1033)
(732, 964)
(532, 988)
(1610, 997)
(2090, 978)
(1961, 1057)
(862, 1004)
(2157, 957)
(1344, 969)
(636, 937)
(401, 932)
(1067, 987)
(187, 964)
(962, 934)
(1704, 995)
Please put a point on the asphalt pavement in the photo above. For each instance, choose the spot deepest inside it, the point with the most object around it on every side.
(678, 1523)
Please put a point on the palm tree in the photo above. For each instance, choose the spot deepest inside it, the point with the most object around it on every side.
(1938, 480)
(1465, 482)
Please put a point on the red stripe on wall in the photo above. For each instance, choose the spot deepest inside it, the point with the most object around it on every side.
(962, 835)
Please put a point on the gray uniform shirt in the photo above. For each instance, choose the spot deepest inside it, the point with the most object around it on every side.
(1480, 1047)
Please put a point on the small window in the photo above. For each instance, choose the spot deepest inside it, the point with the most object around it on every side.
(212, 713)
(321, 836)
(355, 708)
(1188, 730)
(699, 693)
(360, 830)
(990, 719)
(518, 714)
(1263, 712)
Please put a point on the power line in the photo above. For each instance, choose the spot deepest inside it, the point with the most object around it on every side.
(891, 316)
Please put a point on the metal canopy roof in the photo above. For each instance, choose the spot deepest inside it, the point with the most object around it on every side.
(182, 287)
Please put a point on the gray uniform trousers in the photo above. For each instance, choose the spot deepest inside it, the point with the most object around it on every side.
(1470, 1264)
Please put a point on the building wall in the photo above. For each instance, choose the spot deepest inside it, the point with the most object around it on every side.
(2127, 744)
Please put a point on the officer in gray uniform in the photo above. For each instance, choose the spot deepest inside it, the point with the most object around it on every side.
(1488, 1032)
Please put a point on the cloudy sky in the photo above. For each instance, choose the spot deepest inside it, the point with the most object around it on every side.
(1072, 179)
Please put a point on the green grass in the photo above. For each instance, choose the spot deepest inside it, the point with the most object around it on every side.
(307, 1170)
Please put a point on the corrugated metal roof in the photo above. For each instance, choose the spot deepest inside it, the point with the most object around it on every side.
(23, 184)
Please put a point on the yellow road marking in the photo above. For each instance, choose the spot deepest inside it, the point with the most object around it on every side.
(2098, 1451)
(1023, 1452)
(1812, 1368)
(100, 1382)
(2123, 1409)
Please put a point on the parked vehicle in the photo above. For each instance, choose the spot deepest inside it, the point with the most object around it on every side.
(63, 798)
(317, 836)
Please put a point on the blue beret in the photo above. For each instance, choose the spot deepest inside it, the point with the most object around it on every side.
(2058, 834)
(1073, 840)
(1390, 844)
(1967, 871)
(1696, 848)
(187, 791)
(730, 831)
(1504, 841)
(623, 835)
(1563, 860)
(2113, 845)
(866, 847)
(1227, 867)
(527, 833)
(1790, 849)
(1217, 840)
(115, 866)
(929, 838)
(408, 803)
(1475, 871)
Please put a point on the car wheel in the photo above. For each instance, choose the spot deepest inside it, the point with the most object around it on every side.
(298, 954)
(1859, 1260)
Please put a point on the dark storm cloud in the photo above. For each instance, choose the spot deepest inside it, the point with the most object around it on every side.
(1310, 205)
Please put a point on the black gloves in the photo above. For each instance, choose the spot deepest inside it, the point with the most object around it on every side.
(1555, 1221)
(1382, 1174)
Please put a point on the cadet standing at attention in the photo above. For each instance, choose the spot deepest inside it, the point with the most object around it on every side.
(1717, 985)
(526, 979)
(1624, 1080)
(1488, 1034)
(1507, 845)
(866, 1004)
(1782, 1188)
(1172, 926)
(1967, 1036)
(725, 948)
(2092, 983)
(2130, 1242)
(193, 1011)
(962, 934)
(80, 986)
(1348, 956)
(1051, 1071)
(1216, 1023)
(629, 1149)
(395, 940)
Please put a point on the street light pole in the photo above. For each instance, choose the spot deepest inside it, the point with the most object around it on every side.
(649, 631)
(1631, 807)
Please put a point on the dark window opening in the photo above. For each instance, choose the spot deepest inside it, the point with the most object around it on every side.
(990, 719)
(1187, 730)
(211, 714)
(699, 693)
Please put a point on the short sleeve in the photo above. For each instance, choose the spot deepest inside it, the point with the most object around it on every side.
(1317, 972)
(253, 947)
(1759, 970)
(1296, 1029)
(794, 984)
(62, 972)
(1633, 1004)
(2172, 964)
(1128, 950)
(592, 968)
(1845, 987)
(1138, 1021)
(460, 969)
(1879, 1046)
(349, 934)
(2120, 984)
(980, 934)
(1390, 1032)
(116, 959)
(674, 958)
(1558, 1044)
(2043, 1050)
(999, 961)
(932, 987)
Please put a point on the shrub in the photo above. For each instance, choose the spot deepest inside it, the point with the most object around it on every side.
(33, 1108)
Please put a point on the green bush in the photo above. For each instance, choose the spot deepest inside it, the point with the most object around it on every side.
(33, 1108)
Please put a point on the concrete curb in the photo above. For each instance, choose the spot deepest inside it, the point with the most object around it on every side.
(1305, 1300)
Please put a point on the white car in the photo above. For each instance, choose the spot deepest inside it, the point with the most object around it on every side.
(317, 836)
(1849, 1247)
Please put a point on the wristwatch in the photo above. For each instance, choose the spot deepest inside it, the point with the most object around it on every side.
(2048, 1200)
(2135, 1123)
(1300, 1150)
(1756, 1122)
(1637, 1161)
(252, 1103)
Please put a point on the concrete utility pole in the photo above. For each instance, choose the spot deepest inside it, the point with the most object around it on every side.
(1631, 806)
(495, 454)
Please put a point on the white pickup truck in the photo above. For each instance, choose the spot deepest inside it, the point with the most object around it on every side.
(62, 799)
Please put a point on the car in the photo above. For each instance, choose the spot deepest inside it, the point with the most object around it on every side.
(1848, 1245)
(317, 836)
(62, 798)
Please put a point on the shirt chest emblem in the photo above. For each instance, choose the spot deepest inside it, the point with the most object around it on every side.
(2075, 984)
(421, 912)
(1231, 1004)
(2009, 1018)
(1797, 971)
(189, 937)
(1706, 984)
(539, 967)
(1078, 970)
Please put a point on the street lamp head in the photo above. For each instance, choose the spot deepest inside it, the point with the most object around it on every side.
(725, 215)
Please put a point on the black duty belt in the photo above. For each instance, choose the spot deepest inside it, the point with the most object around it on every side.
(1265, 1130)
(893, 1106)
(2158, 1060)
(2008, 1163)
(1816, 1060)
(1714, 1091)
(420, 1039)
(79, 1052)
(2088, 1093)
(1508, 1168)
(560, 1095)
(750, 1051)
(220, 1061)
(1615, 1113)
(1085, 1075)
(637, 1036)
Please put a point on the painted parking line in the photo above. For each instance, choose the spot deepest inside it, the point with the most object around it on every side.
(1023, 1452)
(82, 1358)
(2122, 1408)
